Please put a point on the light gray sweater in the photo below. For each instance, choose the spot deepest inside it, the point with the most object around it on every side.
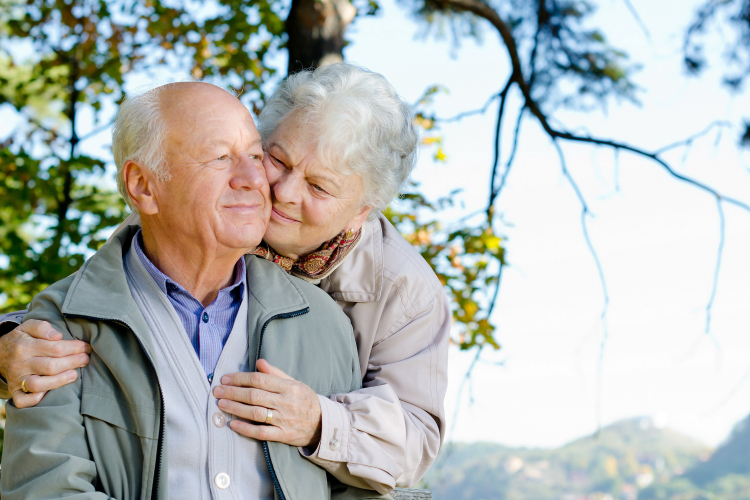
(206, 459)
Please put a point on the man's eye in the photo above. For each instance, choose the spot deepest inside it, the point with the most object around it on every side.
(318, 188)
(222, 157)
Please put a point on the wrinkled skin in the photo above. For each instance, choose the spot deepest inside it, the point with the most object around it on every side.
(311, 203)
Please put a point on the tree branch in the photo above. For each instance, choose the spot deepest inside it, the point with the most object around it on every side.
(638, 19)
(496, 161)
(584, 227)
(512, 153)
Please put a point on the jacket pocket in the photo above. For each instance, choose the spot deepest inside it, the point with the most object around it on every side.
(101, 405)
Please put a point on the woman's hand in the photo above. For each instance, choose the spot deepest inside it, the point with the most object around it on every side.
(35, 355)
(296, 414)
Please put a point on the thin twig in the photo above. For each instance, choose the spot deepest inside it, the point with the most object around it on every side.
(605, 331)
(689, 140)
(496, 160)
(465, 114)
(719, 255)
(95, 131)
(512, 154)
(638, 19)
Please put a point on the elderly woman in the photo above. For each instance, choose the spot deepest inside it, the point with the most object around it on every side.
(339, 145)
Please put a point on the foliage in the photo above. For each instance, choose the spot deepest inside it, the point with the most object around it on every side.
(63, 62)
(710, 16)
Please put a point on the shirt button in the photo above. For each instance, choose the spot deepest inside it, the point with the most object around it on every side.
(334, 444)
(205, 317)
(219, 420)
(222, 480)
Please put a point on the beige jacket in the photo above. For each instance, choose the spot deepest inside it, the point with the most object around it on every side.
(389, 433)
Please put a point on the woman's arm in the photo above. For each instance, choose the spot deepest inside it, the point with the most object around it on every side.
(34, 352)
(388, 433)
(45, 451)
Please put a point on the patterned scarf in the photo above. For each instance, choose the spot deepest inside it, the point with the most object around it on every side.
(318, 264)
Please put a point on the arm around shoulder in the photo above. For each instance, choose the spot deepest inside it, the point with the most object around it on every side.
(45, 451)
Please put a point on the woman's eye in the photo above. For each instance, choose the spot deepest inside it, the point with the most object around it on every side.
(318, 188)
(276, 161)
(222, 157)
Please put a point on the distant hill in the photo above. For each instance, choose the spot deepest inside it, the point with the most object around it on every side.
(732, 457)
(620, 462)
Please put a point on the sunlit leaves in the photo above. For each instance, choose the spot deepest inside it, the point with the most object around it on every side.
(467, 261)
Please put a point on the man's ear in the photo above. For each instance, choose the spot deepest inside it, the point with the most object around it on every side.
(359, 219)
(140, 184)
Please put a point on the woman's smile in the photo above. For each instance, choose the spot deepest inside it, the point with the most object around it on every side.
(280, 216)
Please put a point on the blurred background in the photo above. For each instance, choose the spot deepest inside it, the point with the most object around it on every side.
(583, 192)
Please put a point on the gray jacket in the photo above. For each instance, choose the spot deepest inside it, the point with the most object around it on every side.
(103, 435)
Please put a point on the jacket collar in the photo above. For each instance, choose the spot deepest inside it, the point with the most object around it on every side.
(359, 278)
(100, 289)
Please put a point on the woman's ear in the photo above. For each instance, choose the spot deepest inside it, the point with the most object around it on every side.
(140, 185)
(359, 219)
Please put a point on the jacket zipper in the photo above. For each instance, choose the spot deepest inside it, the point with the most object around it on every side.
(264, 444)
(160, 442)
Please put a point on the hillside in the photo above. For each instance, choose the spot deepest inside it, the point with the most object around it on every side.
(622, 461)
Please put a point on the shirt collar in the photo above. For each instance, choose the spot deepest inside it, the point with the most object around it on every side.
(162, 280)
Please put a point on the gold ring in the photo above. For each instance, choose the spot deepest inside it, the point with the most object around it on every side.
(23, 385)
(269, 416)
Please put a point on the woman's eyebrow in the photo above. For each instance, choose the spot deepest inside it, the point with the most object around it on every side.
(327, 179)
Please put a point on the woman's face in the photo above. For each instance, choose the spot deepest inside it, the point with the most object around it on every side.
(312, 202)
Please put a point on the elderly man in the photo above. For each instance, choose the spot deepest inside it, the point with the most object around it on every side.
(170, 309)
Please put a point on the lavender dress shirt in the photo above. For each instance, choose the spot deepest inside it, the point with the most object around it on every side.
(207, 327)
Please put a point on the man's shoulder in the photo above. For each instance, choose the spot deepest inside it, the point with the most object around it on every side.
(53, 297)
(320, 302)
(321, 305)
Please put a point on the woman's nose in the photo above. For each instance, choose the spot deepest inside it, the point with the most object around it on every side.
(286, 188)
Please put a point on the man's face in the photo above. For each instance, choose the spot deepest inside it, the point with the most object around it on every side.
(217, 197)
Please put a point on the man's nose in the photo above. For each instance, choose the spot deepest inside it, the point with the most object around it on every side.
(249, 175)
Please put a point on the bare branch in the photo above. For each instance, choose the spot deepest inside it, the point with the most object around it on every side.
(584, 227)
(512, 154)
(638, 19)
(465, 114)
(496, 160)
(95, 131)
(689, 140)
(719, 255)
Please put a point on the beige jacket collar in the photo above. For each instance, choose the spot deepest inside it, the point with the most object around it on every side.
(359, 278)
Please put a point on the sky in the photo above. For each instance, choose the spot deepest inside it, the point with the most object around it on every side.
(657, 239)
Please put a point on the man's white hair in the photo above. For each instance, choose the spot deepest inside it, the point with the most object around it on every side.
(360, 123)
(139, 133)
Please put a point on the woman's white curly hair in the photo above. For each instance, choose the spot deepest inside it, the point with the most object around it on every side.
(361, 126)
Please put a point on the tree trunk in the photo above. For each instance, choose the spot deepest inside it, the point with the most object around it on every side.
(316, 32)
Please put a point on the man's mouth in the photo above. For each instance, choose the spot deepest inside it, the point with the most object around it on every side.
(244, 209)
(281, 216)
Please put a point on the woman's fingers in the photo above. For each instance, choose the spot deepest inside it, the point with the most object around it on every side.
(40, 330)
(255, 413)
(23, 400)
(37, 384)
(264, 366)
(55, 366)
(248, 396)
(259, 432)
